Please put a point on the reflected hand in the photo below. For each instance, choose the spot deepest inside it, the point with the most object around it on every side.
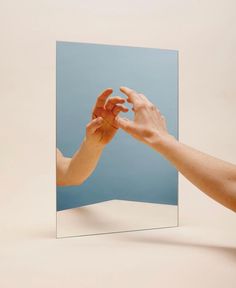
(103, 126)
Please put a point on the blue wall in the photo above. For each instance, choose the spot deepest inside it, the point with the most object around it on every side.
(127, 169)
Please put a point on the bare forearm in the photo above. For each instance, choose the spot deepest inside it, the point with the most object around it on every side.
(99, 132)
(213, 176)
(82, 164)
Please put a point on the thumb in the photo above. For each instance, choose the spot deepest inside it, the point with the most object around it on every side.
(125, 124)
(94, 125)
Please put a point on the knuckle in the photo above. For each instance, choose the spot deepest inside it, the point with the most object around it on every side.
(140, 106)
(133, 93)
(152, 106)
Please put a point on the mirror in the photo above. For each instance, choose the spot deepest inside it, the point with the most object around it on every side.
(130, 187)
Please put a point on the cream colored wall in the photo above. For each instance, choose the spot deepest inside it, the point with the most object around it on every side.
(203, 32)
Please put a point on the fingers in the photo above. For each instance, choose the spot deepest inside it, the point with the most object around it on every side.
(133, 96)
(144, 98)
(137, 99)
(125, 124)
(94, 125)
(119, 108)
(102, 98)
(110, 104)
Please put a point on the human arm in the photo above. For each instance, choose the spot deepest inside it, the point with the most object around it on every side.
(75, 170)
(213, 176)
(99, 132)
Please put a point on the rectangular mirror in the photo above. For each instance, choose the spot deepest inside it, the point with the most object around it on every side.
(130, 187)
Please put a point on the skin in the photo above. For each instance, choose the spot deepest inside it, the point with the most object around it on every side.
(99, 132)
(214, 177)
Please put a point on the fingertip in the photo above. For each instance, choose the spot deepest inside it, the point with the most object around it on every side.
(117, 99)
(124, 109)
(108, 91)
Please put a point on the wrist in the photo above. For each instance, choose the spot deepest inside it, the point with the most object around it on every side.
(90, 144)
(162, 141)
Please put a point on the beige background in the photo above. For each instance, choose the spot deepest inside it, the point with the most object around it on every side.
(202, 251)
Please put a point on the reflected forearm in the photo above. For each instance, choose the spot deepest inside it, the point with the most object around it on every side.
(99, 132)
(78, 168)
(213, 176)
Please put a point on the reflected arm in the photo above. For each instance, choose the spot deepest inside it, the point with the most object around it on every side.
(75, 170)
(99, 132)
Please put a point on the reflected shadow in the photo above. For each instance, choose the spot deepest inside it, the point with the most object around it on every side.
(92, 218)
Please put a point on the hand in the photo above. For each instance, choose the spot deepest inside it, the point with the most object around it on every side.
(149, 126)
(103, 126)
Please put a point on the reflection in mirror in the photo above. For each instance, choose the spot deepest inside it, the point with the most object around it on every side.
(107, 180)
